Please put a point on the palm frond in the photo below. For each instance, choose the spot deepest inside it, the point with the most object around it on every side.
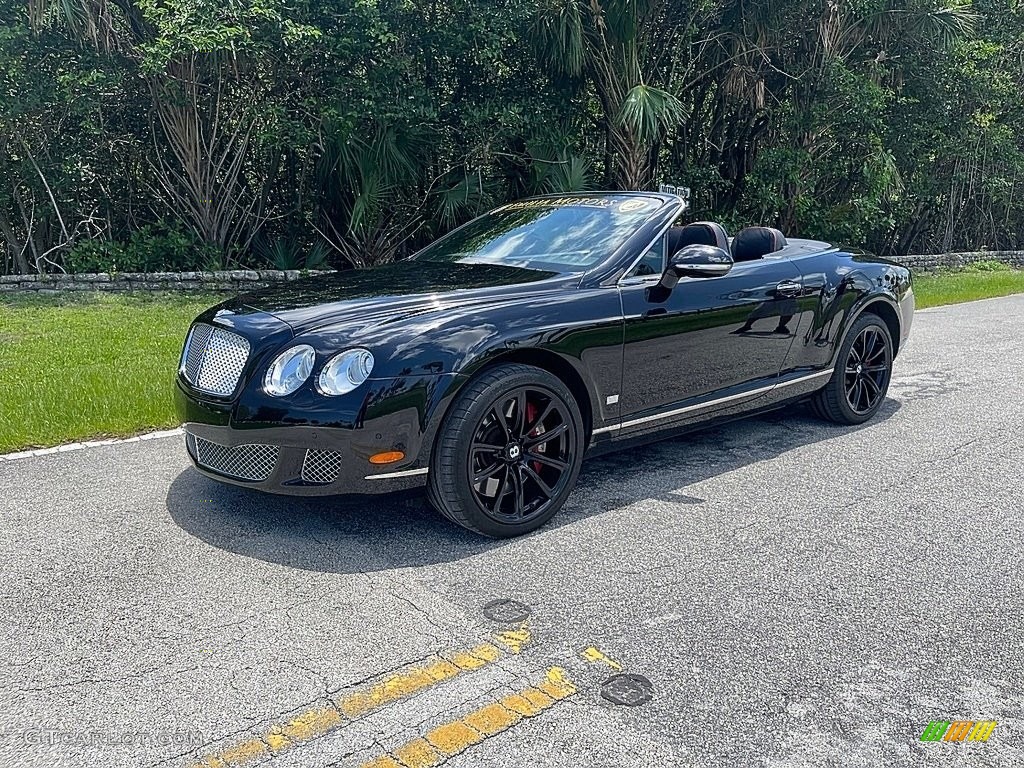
(570, 174)
(944, 26)
(648, 112)
(460, 200)
(367, 201)
(559, 32)
(317, 256)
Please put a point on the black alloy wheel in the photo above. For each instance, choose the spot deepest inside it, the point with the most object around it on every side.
(867, 370)
(859, 384)
(508, 453)
(521, 454)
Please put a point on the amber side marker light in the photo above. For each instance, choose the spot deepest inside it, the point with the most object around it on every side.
(388, 457)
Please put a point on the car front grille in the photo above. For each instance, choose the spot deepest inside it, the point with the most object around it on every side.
(254, 461)
(213, 359)
(320, 467)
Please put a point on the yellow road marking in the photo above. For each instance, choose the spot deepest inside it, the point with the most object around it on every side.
(518, 702)
(418, 754)
(557, 684)
(492, 719)
(316, 722)
(467, 661)
(313, 723)
(442, 669)
(594, 655)
(454, 737)
(383, 762)
(514, 639)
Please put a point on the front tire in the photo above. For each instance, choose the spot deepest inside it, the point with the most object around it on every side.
(861, 379)
(508, 453)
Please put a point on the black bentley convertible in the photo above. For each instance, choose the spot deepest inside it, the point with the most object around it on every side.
(491, 362)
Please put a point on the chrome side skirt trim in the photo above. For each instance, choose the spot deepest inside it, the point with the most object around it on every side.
(395, 475)
(712, 403)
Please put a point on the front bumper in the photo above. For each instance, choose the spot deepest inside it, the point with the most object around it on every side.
(319, 447)
(293, 460)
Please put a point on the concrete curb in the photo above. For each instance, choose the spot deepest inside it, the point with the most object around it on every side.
(67, 447)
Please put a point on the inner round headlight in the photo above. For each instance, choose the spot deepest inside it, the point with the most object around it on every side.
(289, 370)
(346, 371)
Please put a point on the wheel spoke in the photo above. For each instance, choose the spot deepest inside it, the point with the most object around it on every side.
(547, 437)
(874, 368)
(871, 392)
(544, 487)
(561, 466)
(541, 419)
(855, 396)
(519, 420)
(499, 413)
(490, 471)
(517, 483)
(877, 349)
(505, 487)
(485, 448)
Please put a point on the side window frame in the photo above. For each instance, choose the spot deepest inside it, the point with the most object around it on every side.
(658, 246)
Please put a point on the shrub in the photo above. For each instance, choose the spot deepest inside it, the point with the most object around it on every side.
(150, 249)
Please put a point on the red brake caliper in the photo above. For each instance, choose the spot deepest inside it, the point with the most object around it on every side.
(531, 414)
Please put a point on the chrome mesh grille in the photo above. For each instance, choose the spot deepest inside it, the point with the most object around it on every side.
(320, 467)
(213, 359)
(253, 461)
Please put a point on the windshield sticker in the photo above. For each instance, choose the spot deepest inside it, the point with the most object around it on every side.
(636, 204)
(561, 202)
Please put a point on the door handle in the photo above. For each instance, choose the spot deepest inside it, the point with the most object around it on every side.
(788, 289)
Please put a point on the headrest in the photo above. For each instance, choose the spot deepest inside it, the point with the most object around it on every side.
(698, 233)
(754, 242)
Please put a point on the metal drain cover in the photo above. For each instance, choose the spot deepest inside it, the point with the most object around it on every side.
(627, 690)
(506, 611)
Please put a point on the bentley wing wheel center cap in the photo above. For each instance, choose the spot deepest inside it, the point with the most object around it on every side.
(514, 451)
(860, 368)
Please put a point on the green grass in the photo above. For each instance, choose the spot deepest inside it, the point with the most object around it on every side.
(91, 366)
(984, 280)
(79, 367)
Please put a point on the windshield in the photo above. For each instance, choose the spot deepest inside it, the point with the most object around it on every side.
(564, 234)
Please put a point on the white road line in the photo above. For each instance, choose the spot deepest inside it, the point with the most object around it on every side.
(88, 444)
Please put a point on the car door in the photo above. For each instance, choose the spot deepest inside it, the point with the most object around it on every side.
(712, 343)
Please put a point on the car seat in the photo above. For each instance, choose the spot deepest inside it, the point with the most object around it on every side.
(755, 242)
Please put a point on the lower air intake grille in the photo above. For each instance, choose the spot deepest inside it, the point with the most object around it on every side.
(320, 467)
(253, 461)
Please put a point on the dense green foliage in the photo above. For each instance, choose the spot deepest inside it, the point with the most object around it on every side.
(146, 134)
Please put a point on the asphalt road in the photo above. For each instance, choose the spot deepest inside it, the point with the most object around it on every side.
(798, 594)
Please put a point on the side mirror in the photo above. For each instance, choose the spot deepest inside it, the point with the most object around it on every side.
(696, 261)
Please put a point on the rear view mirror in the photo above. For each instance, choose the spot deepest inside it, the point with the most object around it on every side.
(696, 261)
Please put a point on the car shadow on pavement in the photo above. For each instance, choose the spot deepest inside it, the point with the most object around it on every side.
(365, 534)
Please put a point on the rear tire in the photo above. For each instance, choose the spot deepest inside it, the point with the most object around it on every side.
(508, 453)
(861, 379)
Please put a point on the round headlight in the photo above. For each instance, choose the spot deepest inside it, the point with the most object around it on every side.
(289, 370)
(346, 371)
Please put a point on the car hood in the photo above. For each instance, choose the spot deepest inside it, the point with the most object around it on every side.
(392, 293)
